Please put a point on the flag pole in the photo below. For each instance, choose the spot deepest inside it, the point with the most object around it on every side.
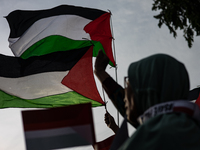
(113, 41)
(104, 99)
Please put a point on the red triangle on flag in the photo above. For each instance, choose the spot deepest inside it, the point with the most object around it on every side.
(81, 79)
(99, 30)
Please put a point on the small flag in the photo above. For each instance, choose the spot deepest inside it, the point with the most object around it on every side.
(58, 127)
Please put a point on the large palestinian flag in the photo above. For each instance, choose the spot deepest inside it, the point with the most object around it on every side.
(53, 57)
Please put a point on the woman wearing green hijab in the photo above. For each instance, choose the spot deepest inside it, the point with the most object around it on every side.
(153, 90)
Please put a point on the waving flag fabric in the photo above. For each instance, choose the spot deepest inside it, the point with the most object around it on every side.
(53, 51)
(36, 81)
(54, 128)
(35, 33)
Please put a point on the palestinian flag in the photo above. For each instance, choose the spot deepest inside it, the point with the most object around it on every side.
(35, 33)
(53, 63)
(42, 81)
(58, 127)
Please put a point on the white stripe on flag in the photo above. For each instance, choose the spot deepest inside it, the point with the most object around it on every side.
(35, 86)
(83, 130)
(48, 133)
(70, 26)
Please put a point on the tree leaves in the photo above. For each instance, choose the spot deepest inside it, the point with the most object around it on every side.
(179, 14)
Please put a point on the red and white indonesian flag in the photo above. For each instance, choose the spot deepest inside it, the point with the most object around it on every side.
(58, 127)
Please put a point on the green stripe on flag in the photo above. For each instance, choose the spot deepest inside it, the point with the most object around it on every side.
(52, 44)
(59, 100)
(97, 47)
(56, 43)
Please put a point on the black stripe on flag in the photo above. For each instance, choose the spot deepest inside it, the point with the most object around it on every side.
(20, 20)
(14, 67)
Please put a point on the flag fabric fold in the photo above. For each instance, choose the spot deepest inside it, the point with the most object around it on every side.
(58, 127)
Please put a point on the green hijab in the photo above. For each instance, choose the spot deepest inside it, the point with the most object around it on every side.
(156, 79)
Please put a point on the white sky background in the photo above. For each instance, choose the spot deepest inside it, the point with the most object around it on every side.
(136, 36)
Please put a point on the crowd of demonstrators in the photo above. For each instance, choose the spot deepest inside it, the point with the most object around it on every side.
(154, 99)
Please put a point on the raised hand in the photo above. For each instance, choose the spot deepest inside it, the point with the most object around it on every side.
(110, 121)
(101, 61)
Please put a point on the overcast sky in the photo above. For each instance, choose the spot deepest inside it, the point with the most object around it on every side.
(136, 36)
